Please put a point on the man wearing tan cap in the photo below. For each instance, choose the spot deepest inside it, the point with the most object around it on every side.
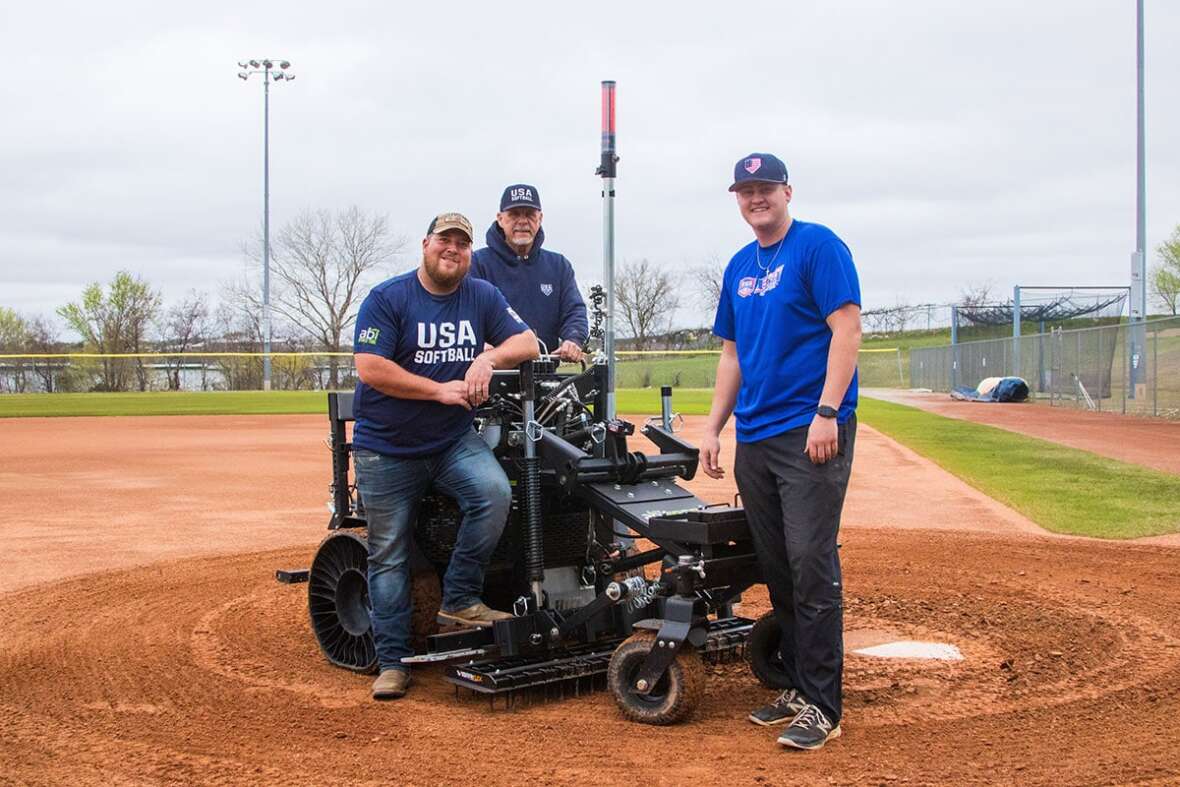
(420, 357)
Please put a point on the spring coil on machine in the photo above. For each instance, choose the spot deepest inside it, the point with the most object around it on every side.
(640, 593)
(534, 547)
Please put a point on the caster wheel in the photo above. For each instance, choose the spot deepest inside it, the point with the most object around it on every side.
(676, 694)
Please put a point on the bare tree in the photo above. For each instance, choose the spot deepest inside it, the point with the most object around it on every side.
(181, 327)
(978, 293)
(41, 339)
(646, 299)
(237, 323)
(323, 265)
(708, 278)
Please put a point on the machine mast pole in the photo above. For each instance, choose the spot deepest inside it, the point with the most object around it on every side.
(607, 170)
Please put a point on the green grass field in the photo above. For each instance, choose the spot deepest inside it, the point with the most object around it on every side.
(688, 401)
(877, 368)
(1062, 489)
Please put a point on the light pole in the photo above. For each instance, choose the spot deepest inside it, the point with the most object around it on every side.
(1138, 332)
(266, 68)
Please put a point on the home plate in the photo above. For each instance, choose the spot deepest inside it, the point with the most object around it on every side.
(910, 649)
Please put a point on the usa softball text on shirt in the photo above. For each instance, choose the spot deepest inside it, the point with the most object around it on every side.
(432, 336)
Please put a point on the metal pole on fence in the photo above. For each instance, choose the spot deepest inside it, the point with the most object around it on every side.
(1155, 372)
(1054, 362)
(1016, 331)
(1123, 376)
(954, 345)
(1098, 372)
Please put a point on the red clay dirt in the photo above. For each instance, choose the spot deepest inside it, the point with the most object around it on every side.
(144, 639)
(1151, 442)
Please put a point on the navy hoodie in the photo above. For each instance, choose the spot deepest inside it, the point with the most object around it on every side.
(540, 287)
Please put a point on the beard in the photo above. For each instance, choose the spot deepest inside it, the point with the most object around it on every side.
(443, 279)
(522, 237)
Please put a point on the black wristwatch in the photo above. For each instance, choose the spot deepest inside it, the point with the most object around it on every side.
(823, 411)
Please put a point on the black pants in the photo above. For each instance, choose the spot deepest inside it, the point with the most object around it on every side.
(793, 507)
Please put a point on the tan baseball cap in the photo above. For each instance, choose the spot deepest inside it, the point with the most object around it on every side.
(451, 221)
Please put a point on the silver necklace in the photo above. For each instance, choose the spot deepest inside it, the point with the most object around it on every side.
(758, 254)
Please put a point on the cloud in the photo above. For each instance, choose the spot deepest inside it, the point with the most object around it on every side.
(945, 142)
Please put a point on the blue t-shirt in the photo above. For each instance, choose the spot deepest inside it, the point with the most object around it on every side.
(435, 336)
(775, 311)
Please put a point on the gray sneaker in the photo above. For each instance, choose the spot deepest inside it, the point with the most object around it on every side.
(784, 709)
(811, 729)
(391, 684)
(478, 614)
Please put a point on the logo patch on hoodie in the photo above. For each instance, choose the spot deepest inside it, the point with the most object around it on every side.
(547, 289)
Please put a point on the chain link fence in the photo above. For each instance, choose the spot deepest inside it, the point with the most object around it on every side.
(1102, 368)
(303, 371)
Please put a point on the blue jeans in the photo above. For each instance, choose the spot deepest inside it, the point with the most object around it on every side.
(391, 488)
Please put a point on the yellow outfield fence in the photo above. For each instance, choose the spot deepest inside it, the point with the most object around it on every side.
(311, 370)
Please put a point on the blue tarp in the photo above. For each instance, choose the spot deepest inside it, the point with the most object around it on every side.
(1004, 389)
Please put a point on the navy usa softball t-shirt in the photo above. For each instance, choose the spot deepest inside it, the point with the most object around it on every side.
(775, 310)
(435, 336)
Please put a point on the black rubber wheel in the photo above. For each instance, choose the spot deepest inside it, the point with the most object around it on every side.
(762, 651)
(676, 694)
(338, 602)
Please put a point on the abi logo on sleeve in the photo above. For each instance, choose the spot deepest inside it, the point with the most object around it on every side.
(368, 336)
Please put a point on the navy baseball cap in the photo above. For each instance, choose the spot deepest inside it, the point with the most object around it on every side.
(759, 167)
(520, 195)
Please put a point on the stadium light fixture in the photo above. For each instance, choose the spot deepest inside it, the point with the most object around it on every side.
(264, 68)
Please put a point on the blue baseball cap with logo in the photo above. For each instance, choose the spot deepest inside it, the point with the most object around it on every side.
(759, 167)
(520, 195)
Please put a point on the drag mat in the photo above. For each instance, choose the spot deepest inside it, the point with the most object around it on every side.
(205, 671)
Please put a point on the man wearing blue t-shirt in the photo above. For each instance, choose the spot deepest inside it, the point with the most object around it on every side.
(789, 320)
(539, 283)
(419, 351)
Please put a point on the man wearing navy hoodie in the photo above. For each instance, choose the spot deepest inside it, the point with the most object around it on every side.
(539, 284)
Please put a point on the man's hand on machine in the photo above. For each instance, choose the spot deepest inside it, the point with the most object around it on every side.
(570, 351)
(453, 392)
(711, 455)
(478, 378)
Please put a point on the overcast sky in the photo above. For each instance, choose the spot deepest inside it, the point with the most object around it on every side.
(945, 142)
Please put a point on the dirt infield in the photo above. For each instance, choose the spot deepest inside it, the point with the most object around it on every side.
(1151, 442)
(182, 661)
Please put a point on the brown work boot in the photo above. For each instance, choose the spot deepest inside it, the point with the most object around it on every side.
(391, 684)
(478, 614)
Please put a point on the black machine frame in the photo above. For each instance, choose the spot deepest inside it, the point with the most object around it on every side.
(685, 614)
